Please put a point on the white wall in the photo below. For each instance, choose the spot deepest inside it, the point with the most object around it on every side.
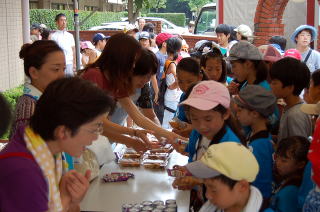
(11, 66)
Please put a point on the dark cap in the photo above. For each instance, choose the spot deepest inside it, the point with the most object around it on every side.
(257, 98)
(244, 50)
(99, 36)
(35, 26)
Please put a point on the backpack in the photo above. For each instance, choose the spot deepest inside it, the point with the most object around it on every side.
(163, 85)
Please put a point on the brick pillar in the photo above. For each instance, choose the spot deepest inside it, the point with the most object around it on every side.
(268, 20)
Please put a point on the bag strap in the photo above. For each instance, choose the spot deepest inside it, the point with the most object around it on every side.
(17, 154)
(307, 57)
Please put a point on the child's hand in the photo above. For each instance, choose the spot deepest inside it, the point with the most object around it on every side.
(186, 183)
(185, 132)
(233, 88)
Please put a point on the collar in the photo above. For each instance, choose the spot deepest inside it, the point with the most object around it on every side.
(30, 90)
(260, 134)
(216, 139)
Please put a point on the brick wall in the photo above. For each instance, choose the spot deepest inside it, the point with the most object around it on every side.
(268, 20)
(11, 72)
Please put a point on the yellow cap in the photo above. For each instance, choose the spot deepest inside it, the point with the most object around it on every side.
(231, 159)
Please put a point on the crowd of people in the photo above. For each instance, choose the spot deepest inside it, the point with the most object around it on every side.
(248, 114)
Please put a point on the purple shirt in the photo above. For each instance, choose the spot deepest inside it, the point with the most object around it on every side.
(22, 184)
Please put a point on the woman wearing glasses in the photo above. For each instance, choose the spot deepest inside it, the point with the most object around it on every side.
(31, 177)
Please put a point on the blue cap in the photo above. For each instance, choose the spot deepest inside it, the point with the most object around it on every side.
(99, 36)
(303, 27)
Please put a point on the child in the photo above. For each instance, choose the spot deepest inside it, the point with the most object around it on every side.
(290, 160)
(288, 78)
(254, 105)
(223, 34)
(188, 73)
(207, 108)
(214, 66)
(172, 93)
(247, 65)
(302, 37)
(227, 170)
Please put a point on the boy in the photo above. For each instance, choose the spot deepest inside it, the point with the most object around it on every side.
(302, 37)
(223, 34)
(254, 105)
(227, 169)
(162, 57)
(288, 78)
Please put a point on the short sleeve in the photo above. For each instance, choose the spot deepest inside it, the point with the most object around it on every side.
(24, 190)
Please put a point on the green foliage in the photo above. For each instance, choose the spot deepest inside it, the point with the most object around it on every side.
(47, 16)
(195, 5)
(12, 96)
(178, 19)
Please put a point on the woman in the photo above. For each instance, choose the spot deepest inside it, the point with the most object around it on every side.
(44, 62)
(31, 164)
(113, 72)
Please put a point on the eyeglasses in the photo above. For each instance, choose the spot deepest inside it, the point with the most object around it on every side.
(97, 131)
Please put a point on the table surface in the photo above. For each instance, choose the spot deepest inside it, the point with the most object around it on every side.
(147, 185)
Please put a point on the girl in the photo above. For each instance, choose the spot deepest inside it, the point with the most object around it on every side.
(207, 108)
(247, 66)
(214, 66)
(113, 72)
(44, 62)
(173, 93)
(31, 164)
(290, 160)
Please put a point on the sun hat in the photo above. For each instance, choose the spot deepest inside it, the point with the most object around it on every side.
(86, 45)
(301, 28)
(230, 159)
(312, 109)
(244, 30)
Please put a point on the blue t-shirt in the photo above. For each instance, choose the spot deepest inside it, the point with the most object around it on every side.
(262, 148)
(306, 185)
(285, 200)
(194, 138)
(180, 113)
(263, 84)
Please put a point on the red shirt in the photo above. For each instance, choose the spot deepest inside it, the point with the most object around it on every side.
(314, 154)
(97, 77)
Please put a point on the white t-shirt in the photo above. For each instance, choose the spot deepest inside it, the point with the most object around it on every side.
(172, 94)
(66, 41)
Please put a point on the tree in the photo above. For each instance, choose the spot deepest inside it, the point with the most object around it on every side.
(135, 6)
(196, 5)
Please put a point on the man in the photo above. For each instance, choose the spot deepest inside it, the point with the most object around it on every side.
(141, 23)
(302, 37)
(99, 41)
(66, 41)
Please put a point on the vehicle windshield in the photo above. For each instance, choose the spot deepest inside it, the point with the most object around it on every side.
(206, 21)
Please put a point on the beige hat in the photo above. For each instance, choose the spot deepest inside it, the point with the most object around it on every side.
(244, 30)
(313, 109)
(231, 159)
